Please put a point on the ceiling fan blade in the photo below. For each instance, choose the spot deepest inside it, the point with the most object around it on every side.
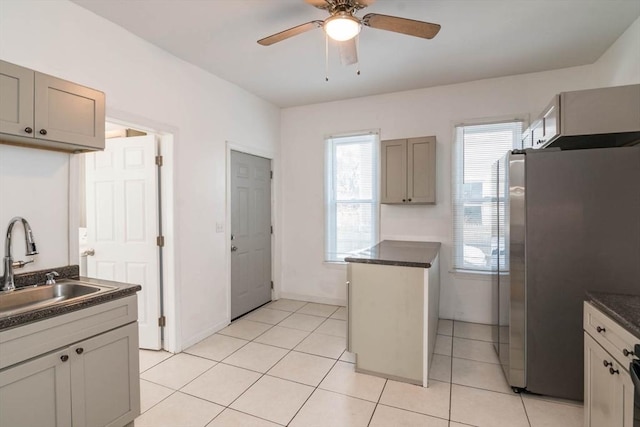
(283, 35)
(320, 4)
(411, 27)
(348, 52)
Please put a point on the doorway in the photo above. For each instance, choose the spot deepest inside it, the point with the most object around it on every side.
(120, 235)
(250, 246)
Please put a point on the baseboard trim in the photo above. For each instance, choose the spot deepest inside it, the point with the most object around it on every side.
(310, 298)
(204, 334)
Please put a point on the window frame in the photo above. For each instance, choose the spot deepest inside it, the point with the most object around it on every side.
(458, 200)
(330, 197)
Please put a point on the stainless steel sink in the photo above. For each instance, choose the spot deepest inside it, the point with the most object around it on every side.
(33, 298)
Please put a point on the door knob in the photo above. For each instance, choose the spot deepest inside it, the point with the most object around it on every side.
(88, 252)
(234, 248)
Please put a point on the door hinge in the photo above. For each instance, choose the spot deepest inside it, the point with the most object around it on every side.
(160, 241)
(272, 229)
(159, 160)
(272, 284)
(271, 174)
(162, 321)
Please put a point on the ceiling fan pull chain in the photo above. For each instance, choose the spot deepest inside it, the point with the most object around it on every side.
(326, 58)
(357, 57)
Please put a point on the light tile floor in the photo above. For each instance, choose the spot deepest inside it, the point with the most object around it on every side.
(285, 365)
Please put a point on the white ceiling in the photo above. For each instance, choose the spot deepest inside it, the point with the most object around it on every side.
(479, 39)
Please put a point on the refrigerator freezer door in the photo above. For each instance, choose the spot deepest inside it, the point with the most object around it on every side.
(516, 220)
(583, 233)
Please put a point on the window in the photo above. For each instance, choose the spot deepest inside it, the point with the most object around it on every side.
(476, 194)
(351, 194)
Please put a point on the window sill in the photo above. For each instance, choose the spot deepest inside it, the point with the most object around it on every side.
(475, 274)
(334, 263)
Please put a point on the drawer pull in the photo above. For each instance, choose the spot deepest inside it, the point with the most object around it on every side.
(607, 363)
(613, 371)
(600, 330)
(64, 357)
(628, 353)
(80, 350)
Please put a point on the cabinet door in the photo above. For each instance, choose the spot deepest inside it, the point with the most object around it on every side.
(67, 112)
(393, 188)
(603, 392)
(421, 171)
(537, 133)
(527, 139)
(37, 393)
(105, 383)
(550, 120)
(16, 100)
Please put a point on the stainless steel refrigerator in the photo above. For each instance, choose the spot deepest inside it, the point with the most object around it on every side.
(571, 223)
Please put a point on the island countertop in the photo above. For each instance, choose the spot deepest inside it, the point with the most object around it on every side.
(624, 309)
(399, 253)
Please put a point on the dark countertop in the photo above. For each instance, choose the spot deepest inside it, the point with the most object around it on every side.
(399, 253)
(624, 309)
(120, 290)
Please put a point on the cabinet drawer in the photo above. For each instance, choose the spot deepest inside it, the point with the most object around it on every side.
(611, 336)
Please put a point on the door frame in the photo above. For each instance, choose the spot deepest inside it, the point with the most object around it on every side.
(172, 338)
(231, 146)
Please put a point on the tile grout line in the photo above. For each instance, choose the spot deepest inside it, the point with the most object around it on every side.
(526, 414)
(375, 408)
(314, 390)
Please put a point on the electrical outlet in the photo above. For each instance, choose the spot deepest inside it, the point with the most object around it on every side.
(219, 227)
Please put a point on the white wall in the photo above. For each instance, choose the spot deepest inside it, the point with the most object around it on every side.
(34, 185)
(620, 64)
(432, 111)
(140, 80)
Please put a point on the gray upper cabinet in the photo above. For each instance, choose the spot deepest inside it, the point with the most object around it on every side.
(47, 112)
(408, 171)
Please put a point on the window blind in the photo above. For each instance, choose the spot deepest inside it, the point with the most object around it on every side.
(478, 200)
(351, 194)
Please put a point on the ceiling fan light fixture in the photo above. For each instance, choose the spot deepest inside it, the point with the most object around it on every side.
(342, 26)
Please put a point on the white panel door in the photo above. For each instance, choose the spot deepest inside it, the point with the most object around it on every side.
(250, 232)
(122, 224)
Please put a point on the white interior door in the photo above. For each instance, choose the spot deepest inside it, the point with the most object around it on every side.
(122, 224)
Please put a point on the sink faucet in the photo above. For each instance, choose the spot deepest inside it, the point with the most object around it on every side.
(7, 279)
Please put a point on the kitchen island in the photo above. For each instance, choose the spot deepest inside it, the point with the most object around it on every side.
(393, 304)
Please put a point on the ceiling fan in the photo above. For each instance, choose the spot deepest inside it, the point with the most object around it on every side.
(342, 26)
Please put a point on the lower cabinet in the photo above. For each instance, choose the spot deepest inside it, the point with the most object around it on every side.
(608, 388)
(91, 383)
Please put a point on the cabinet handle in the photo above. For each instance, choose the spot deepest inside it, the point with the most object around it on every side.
(28, 129)
(404, 200)
(43, 131)
(79, 350)
(628, 353)
(64, 357)
(599, 329)
(613, 371)
(607, 363)
(408, 200)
